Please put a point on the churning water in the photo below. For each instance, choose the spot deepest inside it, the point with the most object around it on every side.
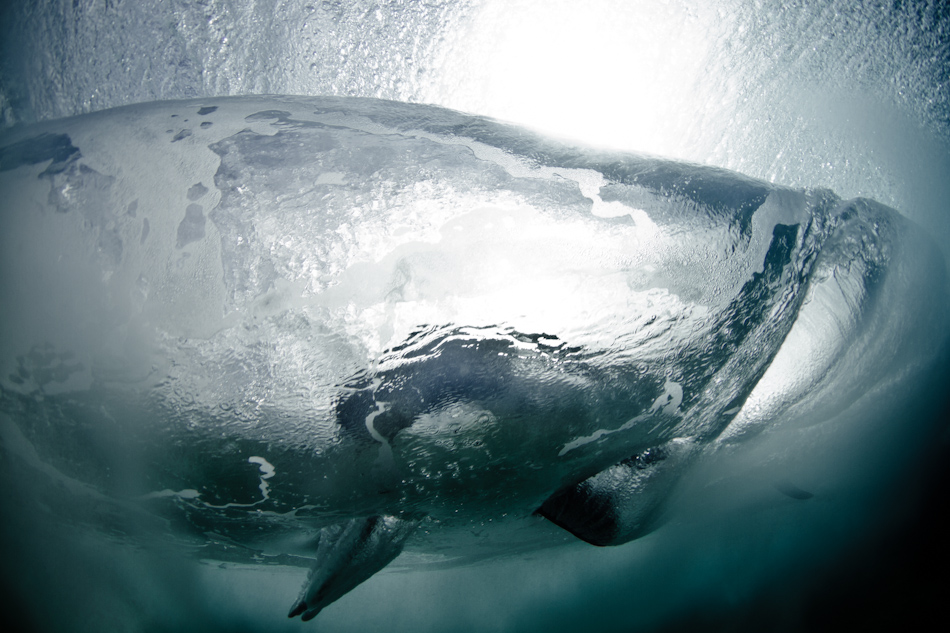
(199, 372)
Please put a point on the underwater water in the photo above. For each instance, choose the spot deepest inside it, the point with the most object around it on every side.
(141, 437)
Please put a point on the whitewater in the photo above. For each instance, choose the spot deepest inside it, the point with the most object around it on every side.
(427, 353)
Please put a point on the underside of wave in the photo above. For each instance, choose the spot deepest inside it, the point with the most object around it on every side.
(272, 333)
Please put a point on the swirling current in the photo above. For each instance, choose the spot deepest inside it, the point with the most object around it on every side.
(428, 354)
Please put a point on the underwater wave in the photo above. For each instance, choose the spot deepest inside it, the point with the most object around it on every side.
(268, 330)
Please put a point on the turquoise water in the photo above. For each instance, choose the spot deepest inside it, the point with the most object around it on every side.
(796, 94)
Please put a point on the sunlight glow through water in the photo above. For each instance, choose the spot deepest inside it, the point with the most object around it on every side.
(601, 72)
(848, 96)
